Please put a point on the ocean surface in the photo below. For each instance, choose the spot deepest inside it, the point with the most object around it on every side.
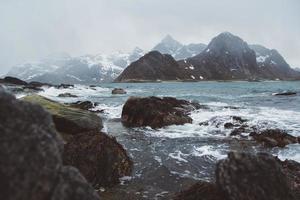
(168, 159)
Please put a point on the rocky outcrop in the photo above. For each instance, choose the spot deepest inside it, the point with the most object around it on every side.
(156, 112)
(247, 177)
(244, 176)
(30, 156)
(274, 138)
(68, 120)
(13, 80)
(154, 66)
(100, 158)
(118, 91)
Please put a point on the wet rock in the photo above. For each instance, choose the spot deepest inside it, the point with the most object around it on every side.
(68, 120)
(238, 131)
(291, 170)
(118, 91)
(201, 191)
(228, 125)
(13, 80)
(84, 105)
(274, 138)
(30, 156)
(252, 177)
(285, 94)
(67, 95)
(156, 112)
(64, 86)
(98, 157)
(239, 119)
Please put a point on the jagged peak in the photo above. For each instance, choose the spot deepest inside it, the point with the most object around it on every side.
(168, 39)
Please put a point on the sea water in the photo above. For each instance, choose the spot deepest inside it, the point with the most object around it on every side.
(189, 152)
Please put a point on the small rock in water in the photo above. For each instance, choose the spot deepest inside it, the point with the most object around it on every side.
(67, 95)
(84, 105)
(118, 91)
(64, 86)
(285, 94)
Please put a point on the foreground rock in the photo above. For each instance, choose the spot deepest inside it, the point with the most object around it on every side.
(274, 138)
(98, 157)
(118, 91)
(156, 112)
(101, 159)
(247, 177)
(68, 120)
(30, 156)
(244, 176)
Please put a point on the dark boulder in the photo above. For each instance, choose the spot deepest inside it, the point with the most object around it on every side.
(100, 158)
(252, 177)
(13, 80)
(156, 112)
(30, 156)
(67, 95)
(68, 120)
(274, 138)
(118, 91)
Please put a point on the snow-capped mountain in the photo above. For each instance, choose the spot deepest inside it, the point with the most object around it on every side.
(179, 51)
(63, 68)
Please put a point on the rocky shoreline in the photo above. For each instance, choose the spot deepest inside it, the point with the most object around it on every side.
(39, 134)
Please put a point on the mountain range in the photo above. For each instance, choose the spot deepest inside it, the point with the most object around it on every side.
(226, 57)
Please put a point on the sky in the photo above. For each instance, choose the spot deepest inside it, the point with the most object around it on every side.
(33, 29)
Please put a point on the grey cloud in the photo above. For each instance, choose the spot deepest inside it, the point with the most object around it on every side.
(33, 29)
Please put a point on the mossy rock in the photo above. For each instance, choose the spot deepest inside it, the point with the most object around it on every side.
(68, 120)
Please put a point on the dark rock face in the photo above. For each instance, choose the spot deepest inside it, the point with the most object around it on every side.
(30, 156)
(13, 80)
(67, 95)
(201, 191)
(247, 177)
(98, 157)
(118, 91)
(274, 138)
(154, 66)
(156, 112)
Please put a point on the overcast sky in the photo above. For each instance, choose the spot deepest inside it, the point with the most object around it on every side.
(32, 29)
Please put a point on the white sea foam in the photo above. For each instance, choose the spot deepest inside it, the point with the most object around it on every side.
(291, 152)
(209, 150)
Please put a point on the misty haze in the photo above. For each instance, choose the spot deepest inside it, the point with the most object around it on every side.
(149, 99)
